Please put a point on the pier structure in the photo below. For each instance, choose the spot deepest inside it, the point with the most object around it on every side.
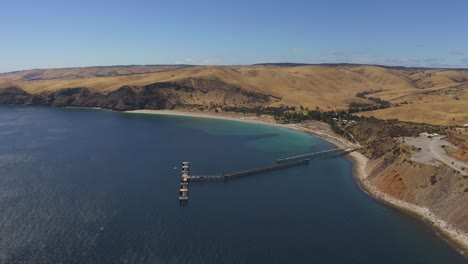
(280, 164)
(229, 176)
(184, 181)
(342, 153)
(326, 153)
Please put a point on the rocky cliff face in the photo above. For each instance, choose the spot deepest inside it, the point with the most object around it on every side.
(190, 93)
(393, 169)
(439, 188)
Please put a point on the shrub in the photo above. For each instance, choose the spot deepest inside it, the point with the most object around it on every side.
(433, 180)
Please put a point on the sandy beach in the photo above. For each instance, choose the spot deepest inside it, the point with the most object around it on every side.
(322, 130)
(212, 115)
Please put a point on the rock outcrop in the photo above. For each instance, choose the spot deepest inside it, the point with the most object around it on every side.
(190, 93)
(438, 188)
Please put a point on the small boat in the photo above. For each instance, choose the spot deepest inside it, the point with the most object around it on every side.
(101, 229)
(175, 168)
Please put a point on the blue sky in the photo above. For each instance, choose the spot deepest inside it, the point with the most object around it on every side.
(54, 34)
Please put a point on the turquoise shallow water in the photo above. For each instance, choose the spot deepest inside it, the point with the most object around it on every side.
(67, 173)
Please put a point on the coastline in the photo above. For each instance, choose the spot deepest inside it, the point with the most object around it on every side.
(211, 115)
(455, 237)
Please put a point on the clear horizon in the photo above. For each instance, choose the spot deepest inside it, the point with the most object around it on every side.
(70, 34)
(233, 65)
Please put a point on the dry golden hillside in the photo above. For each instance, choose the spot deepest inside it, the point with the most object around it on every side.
(438, 113)
(84, 72)
(422, 95)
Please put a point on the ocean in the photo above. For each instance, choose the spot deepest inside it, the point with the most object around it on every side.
(94, 186)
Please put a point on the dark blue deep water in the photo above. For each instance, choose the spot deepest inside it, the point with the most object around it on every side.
(65, 174)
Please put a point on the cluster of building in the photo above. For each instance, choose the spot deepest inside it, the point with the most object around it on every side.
(428, 135)
(344, 121)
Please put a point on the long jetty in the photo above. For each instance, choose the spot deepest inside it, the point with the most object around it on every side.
(280, 164)
(251, 171)
(326, 153)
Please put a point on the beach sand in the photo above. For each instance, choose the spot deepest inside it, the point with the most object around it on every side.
(459, 238)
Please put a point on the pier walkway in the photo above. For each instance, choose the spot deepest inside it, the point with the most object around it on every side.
(327, 153)
(250, 172)
(280, 164)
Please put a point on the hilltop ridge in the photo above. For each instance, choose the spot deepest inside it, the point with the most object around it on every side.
(435, 96)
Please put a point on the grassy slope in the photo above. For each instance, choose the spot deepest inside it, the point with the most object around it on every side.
(439, 113)
(436, 96)
(85, 72)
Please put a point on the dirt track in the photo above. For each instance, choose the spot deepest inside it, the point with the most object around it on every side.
(431, 152)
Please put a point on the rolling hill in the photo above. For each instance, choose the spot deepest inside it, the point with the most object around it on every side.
(414, 94)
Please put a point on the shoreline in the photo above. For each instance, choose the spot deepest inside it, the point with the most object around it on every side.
(211, 115)
(455, 237)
